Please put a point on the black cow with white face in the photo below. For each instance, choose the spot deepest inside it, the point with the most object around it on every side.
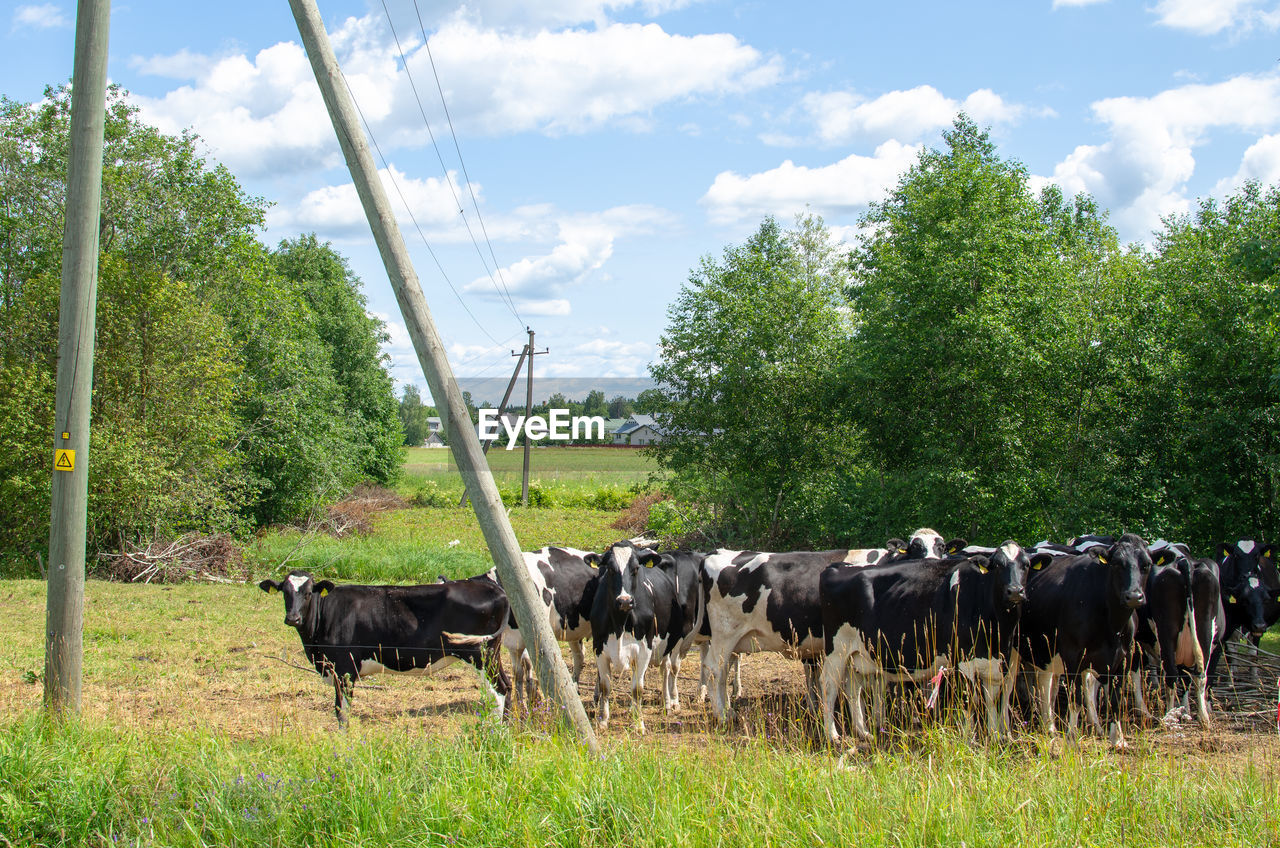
(647, 609)
(907, 621)
(350, 632)
(566, 581)
(1079, 623)
(1250, 586)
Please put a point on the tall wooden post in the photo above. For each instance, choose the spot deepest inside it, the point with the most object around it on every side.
(528, 413)
(64, 622)
(530, 614)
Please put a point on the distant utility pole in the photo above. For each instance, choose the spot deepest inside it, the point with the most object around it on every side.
(64, 622)
(528, 413)
(526, 604)
(502, 408)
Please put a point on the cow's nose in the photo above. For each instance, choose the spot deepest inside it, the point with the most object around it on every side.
(1258, 629)
(625, 603)
(1015, 594)
(1134, 598)
(292, 620)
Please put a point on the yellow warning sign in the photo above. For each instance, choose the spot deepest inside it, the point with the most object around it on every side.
(64, 460)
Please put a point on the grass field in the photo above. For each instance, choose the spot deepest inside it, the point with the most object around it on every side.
(201, 726)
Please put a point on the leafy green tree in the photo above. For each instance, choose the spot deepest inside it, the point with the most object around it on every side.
(746, 393)
(595, 404)
(620, 407)
(354, 339)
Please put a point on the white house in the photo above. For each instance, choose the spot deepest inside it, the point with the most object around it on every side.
(638, 431)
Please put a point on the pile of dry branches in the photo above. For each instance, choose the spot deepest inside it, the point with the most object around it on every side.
(189, 557)
(353, 515)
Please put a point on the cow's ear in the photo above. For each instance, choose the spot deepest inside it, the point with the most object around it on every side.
(1224, 550)
(1166, 556)
(269, 586)
(955, 546)
(592, 559)
(650, 558)
(1102, 556)
(324, 587)
(1231, 599)
(1040, 560)
(982, 564)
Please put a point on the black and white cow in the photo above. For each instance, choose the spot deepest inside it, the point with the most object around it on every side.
(909, 620)
(350, 632)
(758, 601)
(1181, 623)
(1078, 623)
(647, 609)
(566, 581)
(1251, 587)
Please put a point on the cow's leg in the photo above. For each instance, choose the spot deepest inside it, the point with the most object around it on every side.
(1136, 683)
(1008, 684)
(1092, 683)
(857, 682)
(736, 662)
(704, 672)
(1045, 695)
(575, 651)
(834, 669)
(603, 671)
(671, 671)
(718, 658)
(643, 657)
(494, 680)
(1073, 703)
(879, 691)
(517, 670)
(811, 684)
(342, 690)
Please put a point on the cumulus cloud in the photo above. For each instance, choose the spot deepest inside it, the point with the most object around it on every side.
(336, 211)
(600, 357)
(1209, 17)
(263, 114)
(1141, 172)
(537, 283)
(1260, 163)
(840, 188)
(842, 117)
(43, 16)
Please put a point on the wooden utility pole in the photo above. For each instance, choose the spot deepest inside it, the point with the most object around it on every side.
(502, 408)
(553, 674)
(64, 621)
(528, 412)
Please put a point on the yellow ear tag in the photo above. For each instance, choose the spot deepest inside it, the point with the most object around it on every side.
(982, 569)
(272, 589)
(1102, 558)
(324, 592)
(902, 550)
(1231, 599)
(1037, 566)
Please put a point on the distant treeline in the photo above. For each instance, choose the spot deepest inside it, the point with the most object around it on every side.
(414, 414)
(986, 360)
(235, 385)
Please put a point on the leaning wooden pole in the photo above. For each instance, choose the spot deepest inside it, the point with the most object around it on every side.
(64, 621)
(530, 614)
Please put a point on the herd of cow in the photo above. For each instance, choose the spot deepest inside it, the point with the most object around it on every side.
(996, 621)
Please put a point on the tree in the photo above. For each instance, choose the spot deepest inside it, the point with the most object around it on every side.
(620, 407)
(354, 339)
(595, 404)
(746, 393)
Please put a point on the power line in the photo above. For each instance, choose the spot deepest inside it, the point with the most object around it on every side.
(499, 285)
(395, 184)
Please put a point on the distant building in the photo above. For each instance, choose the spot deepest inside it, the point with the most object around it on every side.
(639, 430)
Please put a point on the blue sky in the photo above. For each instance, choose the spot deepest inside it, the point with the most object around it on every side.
(610, 144)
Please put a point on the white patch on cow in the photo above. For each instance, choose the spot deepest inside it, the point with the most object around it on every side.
(1011, 550)
(955, 578)
(933, 542)
(982, 669)
(1253, 583)
(297, 581)
(1246, 545)
(1185, 653)
(837, 676)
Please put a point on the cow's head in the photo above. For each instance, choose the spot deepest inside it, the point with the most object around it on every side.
(299, 590)
(926, 544)
(1007, 566)
(1244, 580)
(1129, 564)
(619, 574)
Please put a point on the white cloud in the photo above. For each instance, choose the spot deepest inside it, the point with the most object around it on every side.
(263, 115)
(841, 117)
(335, 209)
(43, 16)
(537, 283)
(1208, 17)
(843, 187)
(1261, 162)
(521, 14)
(1141, 172)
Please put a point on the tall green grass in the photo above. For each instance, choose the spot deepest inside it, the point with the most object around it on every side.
(486, 786)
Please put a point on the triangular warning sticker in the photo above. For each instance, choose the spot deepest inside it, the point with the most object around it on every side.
(64, 460)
